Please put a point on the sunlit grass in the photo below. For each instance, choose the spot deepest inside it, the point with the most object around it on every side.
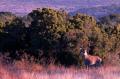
(52, 72)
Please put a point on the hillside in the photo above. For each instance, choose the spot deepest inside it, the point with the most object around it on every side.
(26, 6)
(98, 11)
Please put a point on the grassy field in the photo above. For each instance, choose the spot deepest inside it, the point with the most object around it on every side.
(22, 71)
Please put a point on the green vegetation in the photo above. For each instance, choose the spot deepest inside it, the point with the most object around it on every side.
(51, 36)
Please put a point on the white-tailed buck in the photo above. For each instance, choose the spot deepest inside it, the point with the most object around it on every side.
(90, 60)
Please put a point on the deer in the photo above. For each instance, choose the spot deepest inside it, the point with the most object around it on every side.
(90, 60)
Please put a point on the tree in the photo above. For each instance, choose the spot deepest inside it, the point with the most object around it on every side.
(47, 26)
(16, 29)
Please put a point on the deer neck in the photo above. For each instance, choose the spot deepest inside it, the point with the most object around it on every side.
(86, 54)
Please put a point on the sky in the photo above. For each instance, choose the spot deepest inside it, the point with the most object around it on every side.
(28, 5)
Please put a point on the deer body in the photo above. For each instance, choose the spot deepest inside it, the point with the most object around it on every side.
(90, 60)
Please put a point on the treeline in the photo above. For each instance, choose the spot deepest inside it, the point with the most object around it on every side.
(52, 36)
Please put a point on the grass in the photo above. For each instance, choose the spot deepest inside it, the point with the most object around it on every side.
(33, 71)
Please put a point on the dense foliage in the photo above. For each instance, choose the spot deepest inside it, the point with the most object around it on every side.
(51, 36)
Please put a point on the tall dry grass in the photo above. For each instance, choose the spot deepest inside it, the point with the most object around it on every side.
(25, 70)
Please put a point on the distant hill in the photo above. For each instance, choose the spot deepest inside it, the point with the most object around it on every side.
(21, 7)
(99, 11)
